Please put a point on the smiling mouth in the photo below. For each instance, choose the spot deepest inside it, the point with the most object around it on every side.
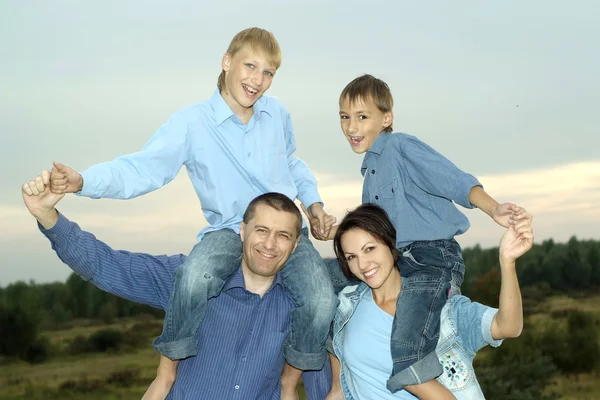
(250, 91)
(356, 140)
(369, 274)
(266, 255)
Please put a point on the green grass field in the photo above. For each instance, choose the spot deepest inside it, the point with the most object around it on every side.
(127, 374)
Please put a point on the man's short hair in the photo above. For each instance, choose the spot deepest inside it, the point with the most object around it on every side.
(368, 88)
(260, 41)
(277, 201)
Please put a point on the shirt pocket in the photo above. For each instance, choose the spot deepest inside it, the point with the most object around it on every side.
(388, 199)
(275, 165)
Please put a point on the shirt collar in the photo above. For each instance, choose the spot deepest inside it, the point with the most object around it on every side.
(379, 143)
(237, 281)
(223, 111)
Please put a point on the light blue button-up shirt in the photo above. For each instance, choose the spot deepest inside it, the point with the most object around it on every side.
(228, 162)
(416, 186)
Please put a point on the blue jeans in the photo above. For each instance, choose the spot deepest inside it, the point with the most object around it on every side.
(431, 270)
(202, 276)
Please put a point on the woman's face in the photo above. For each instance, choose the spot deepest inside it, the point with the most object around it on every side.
(369, 260)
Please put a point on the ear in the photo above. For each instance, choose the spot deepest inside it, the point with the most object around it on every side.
(242, 229)
(388, 118)
(296, 244)
(225, 63)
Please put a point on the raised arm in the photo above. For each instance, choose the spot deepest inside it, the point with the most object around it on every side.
(134, 174)
(516, 241)
(133, 276)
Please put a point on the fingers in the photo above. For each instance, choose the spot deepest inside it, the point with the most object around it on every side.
(33, 189)
(46, 177)
(39, 184)
(58, 180)
(330, 220)
(26, 189)
(321, 220)
(60, 167)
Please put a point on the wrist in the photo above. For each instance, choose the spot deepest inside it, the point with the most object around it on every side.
(46, 217)
(507, 262)
(79, 185)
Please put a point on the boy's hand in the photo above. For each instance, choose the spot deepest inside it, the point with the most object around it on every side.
(65, 180)
(320, 222)
(518, 239)
(507, 214)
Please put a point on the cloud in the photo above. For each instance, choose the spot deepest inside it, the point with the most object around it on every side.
(564, 200)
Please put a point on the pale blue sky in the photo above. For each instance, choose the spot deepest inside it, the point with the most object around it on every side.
(508, 91)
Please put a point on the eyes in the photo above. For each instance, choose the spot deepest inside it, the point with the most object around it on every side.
(360, 117)
(280, 235)
(252, 66)
(367, 250)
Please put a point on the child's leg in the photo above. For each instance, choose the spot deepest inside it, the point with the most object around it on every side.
(427, 269)
(306, 278)
(338, 279)
(165, 377)
(201, 277)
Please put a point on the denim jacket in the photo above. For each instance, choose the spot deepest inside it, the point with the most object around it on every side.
(465, 328)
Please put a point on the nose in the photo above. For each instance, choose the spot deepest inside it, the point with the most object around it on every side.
(362, 263)
(270, 241)
(352, 126)
(257, 78)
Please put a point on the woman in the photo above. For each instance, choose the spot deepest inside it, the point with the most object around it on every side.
(365, 248)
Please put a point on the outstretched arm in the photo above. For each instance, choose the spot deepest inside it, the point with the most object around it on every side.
(505, 214)
(134, 174)
(133, 276)
(516, 241)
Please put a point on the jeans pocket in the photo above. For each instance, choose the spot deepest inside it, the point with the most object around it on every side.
(458, 374)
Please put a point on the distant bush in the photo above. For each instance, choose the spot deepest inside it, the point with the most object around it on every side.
(105, 340)
(124, 377)
(79, 345)
(82, 385)
(38, 352)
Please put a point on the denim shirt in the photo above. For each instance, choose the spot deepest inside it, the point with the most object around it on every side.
(465, 328)
(416, 186)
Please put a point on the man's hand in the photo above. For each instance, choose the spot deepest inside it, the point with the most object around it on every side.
(507, 214)
(518, 238)
(40, 201)
(320, 222)
(65, 180)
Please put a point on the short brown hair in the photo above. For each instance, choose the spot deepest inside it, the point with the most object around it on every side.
(277, 201)
(260, 41)
(372, 219)
(369, 88)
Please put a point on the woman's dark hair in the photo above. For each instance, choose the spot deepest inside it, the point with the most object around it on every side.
(372, 219)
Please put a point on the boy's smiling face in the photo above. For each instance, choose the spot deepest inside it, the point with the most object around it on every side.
(362, 122)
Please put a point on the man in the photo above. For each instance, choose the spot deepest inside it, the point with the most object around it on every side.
(245, 326)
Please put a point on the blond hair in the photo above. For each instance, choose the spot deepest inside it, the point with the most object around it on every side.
(260, 41)
(369, 88)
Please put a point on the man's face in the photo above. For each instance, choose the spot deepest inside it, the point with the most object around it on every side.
(362, 122)
(248, 76)
(268, 240)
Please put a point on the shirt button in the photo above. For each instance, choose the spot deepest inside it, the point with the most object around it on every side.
(243, 359)
(249, 154)
(237, 387)
(376, 197)
(372, 171)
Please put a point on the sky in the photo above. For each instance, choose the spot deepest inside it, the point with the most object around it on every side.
(506, 90)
